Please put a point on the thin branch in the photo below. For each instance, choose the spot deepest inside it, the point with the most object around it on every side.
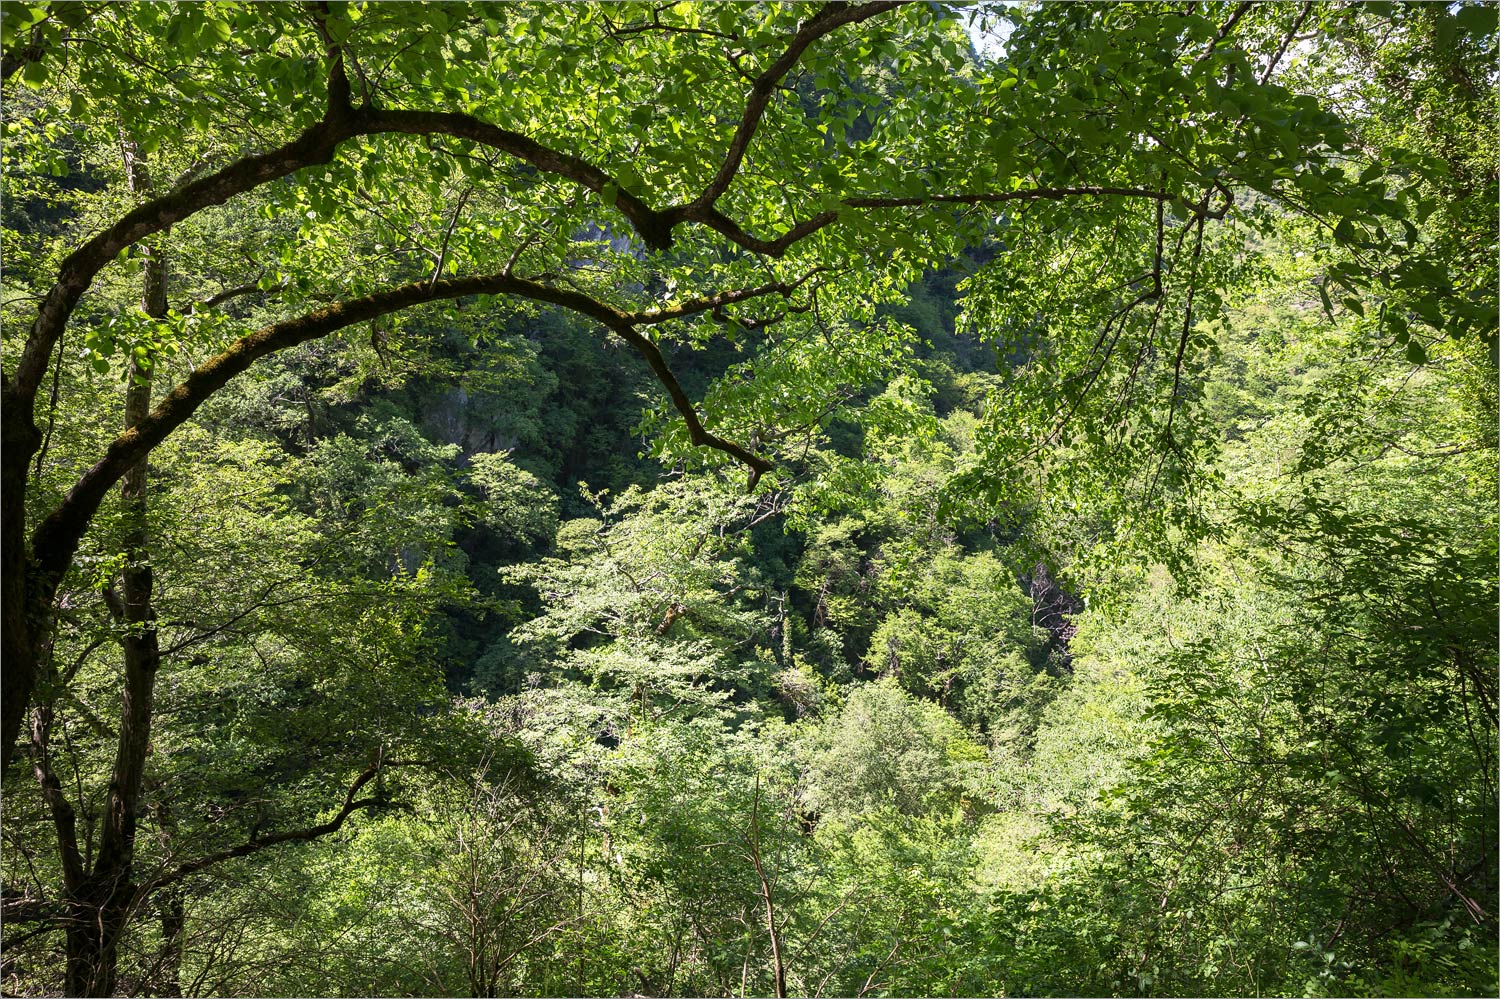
(41, 454)
(442, 259)
(1187, 323)
(828, 17)
(350, 806)
(228, 294)
(1240, 10)
(64, 819)
(870, 982)
(1291, 35)
(777, 246)
(711, 303)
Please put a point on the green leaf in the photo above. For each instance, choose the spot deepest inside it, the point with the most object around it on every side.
(34, 75)
(1327, 302)
(1415, 352)
(1477, 18)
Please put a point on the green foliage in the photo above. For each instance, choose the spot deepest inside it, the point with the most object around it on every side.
(518, 505)
(1190, 310)
(886, 750)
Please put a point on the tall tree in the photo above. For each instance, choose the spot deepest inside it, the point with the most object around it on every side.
(480, 141)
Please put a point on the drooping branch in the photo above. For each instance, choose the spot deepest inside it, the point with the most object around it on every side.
(697, 433)
(654, 228)
(315, 146)
(350, 805)
(318, 143)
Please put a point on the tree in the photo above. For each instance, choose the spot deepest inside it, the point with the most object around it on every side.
(1279, 765)
(657, 171)
(292, 667)
(339, 91)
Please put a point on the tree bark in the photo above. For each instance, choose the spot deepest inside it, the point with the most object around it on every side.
(778, 965)
(106, 899)
(19, 440)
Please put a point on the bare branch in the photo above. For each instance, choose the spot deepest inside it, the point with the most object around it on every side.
(777, 246)
(350, 806)
(1026, 194)
(458, 209)
(713, 302)
(218, 299)
(1240, 10)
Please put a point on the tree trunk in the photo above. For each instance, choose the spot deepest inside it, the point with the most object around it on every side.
(171, 910)
(19, 439)
(173, 922)
(104, 906)
(778, 964)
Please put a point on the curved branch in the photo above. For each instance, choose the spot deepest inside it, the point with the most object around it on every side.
(56, 538)
(828, 17)
(654, 228)
(709, 303)
(730, 229)
(259, 843)
(315, 145)
(697, 433)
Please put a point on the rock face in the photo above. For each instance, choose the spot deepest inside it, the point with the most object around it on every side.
(456, 418)
(1052, 608)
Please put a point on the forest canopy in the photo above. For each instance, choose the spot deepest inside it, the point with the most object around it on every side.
(706, 498)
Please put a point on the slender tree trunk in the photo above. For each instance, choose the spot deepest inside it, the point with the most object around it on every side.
(19, 440)
(171, 909)
(778, 965)
(173, 922)
(109, 893)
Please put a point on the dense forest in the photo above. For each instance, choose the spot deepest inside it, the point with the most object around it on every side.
(725, 499)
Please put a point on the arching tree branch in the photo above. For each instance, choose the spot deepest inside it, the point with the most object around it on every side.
(56, 538)
(350, 805)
